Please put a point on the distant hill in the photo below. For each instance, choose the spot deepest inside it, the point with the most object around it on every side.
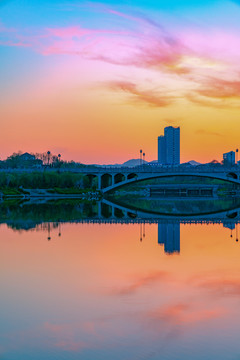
(128, 163)
(133, 162)
(192, 162)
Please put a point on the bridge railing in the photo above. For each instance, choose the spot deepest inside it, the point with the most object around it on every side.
(137, 169)
(159, 169)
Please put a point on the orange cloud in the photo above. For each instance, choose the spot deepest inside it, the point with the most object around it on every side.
(213, 103)
(222, 287)
(220, 89)
(216, 93)
(206, 132)
(149, 97)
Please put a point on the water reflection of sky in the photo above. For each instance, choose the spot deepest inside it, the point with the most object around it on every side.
(97, 292)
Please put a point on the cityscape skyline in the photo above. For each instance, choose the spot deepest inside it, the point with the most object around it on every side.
(47, 157)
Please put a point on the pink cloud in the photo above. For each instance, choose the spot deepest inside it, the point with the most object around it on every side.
(183, 313)
(14, 44)
(213, 43)
(221, 286)
(68, 32)
(69, 345)
(142, 282)
(184, 56)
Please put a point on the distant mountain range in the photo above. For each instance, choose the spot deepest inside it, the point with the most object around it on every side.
(136, 162)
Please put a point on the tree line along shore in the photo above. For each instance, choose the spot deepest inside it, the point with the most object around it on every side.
(46, 183)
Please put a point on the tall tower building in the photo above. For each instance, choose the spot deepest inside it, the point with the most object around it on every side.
(172, 136)
(169, 146)
(169, 236)
(161, 149)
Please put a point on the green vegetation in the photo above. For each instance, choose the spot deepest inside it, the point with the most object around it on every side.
(8, 191)
(18, 184)
(44, 180)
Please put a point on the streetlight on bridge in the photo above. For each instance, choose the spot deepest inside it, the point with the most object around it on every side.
(140, 157)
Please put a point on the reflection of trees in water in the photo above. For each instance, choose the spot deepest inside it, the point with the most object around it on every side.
(176, 206)
(27, 216)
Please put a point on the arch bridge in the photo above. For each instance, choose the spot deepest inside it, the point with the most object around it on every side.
(110, 178)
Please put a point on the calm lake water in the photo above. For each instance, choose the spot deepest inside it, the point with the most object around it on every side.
(135, 291)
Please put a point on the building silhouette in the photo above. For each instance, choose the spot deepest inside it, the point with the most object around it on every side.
(161, 149)
(169, 146)
(169, 236)
(229, 158)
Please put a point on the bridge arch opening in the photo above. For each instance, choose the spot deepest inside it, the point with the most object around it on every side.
(118, 213)
(106, 211)
(106, 180)
(131, 176)
(131, 215)
(119, 178)
(91, 180)
(232, 175)
(232, 215)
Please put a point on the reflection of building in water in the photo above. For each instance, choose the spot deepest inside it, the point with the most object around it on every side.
(229, 225)
(169, 236)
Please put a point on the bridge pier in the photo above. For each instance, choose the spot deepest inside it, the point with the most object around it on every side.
(99, 210)
(105, 180)
(99, 182)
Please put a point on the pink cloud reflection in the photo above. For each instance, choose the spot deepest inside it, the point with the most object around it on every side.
(184, 313)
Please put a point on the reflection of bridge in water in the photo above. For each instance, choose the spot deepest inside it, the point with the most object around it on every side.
(168, 226)
(47, 216)
(116, 213)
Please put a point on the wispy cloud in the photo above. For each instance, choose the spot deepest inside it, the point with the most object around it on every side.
(147, 97)
(206, 132)
(221, 286)
(183, 313)
(144, 44)
(201, 64)
(213, 103)
(141, 282)
(220, 88)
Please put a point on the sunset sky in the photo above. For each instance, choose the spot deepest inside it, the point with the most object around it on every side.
(97, 81)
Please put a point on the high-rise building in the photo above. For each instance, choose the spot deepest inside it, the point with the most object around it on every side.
(229, 158)
(169, 146)
(161, 149)
(169, 236)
